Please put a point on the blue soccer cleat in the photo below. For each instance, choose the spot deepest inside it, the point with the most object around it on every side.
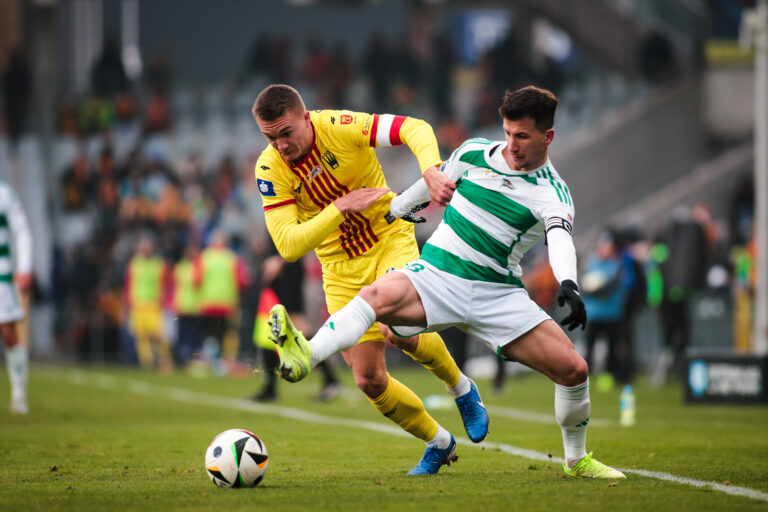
(434, 457)
(473, 414)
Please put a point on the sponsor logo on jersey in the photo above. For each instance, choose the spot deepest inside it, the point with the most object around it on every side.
(315, 172)
(333, 120)
(266, 188)
(330, 159)
(346, 119)
(264, 167)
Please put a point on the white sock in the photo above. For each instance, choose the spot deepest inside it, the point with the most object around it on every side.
(442, 439)
(461, 388)
(572, 413)
(16, 362)
(342, 330)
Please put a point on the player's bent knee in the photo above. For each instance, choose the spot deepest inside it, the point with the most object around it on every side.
(575, 373)
(372, 384)
(578, 372)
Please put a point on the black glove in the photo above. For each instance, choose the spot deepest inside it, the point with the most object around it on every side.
(569, 292)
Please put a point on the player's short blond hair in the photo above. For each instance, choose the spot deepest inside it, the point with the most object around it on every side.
(276, 100)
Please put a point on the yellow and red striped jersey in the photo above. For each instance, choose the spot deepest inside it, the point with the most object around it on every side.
(298, 198)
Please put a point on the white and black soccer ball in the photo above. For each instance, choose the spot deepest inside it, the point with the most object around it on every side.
(236, 458)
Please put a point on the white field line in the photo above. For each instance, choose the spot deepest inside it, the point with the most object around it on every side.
(109, 382)
(536, 417)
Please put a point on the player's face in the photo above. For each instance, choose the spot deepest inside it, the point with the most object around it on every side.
(526, 145)
(290, 134)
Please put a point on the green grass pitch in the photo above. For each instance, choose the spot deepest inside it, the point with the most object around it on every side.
(107, 439)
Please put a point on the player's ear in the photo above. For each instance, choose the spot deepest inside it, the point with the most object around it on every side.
(549, 136)
(306, 117)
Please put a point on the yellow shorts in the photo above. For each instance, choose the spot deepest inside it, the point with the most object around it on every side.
(343, 279)
(146, 321)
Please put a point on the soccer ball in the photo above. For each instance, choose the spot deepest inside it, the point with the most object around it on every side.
(236, 458)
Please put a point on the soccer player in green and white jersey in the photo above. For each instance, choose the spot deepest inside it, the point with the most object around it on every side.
(14, 234)
(508, 196)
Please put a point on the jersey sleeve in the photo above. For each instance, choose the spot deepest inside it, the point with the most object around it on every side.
(453, 167)
(382, 130)
(554, 207)
(274, 186)
(291, 238)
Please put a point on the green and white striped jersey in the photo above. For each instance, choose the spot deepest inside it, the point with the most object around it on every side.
(496, 214)
(13, 231)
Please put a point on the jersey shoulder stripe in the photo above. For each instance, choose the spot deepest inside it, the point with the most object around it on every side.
(563, 194)
(469, 142)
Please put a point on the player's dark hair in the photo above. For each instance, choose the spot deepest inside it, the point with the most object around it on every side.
(276, 100)
(533, 102)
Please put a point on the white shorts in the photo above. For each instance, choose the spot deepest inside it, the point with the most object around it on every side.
(496, 313)
(10, 306)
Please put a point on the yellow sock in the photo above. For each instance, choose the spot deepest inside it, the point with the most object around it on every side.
(144, 352)
(402, 406)
(434, 356)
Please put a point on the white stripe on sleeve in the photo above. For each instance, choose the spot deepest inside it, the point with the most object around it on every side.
(383, 129)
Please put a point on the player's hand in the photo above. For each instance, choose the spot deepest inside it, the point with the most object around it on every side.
(23, 283)
(359, 199)
(569, 292)
(440, 186)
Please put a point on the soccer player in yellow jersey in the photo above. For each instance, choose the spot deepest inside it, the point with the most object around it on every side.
(323, 190)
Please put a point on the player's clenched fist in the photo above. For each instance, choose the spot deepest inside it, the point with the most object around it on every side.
(359, 199)
(440, 186)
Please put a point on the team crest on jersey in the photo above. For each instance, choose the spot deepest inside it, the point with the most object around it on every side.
(508, 184)
(266, 188)
(330, 159)
(315, 172)
(346, 119)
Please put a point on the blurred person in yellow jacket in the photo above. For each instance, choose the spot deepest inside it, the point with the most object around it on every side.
(219, 276)
(323, 189)
(186, 304)
(145, 285)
